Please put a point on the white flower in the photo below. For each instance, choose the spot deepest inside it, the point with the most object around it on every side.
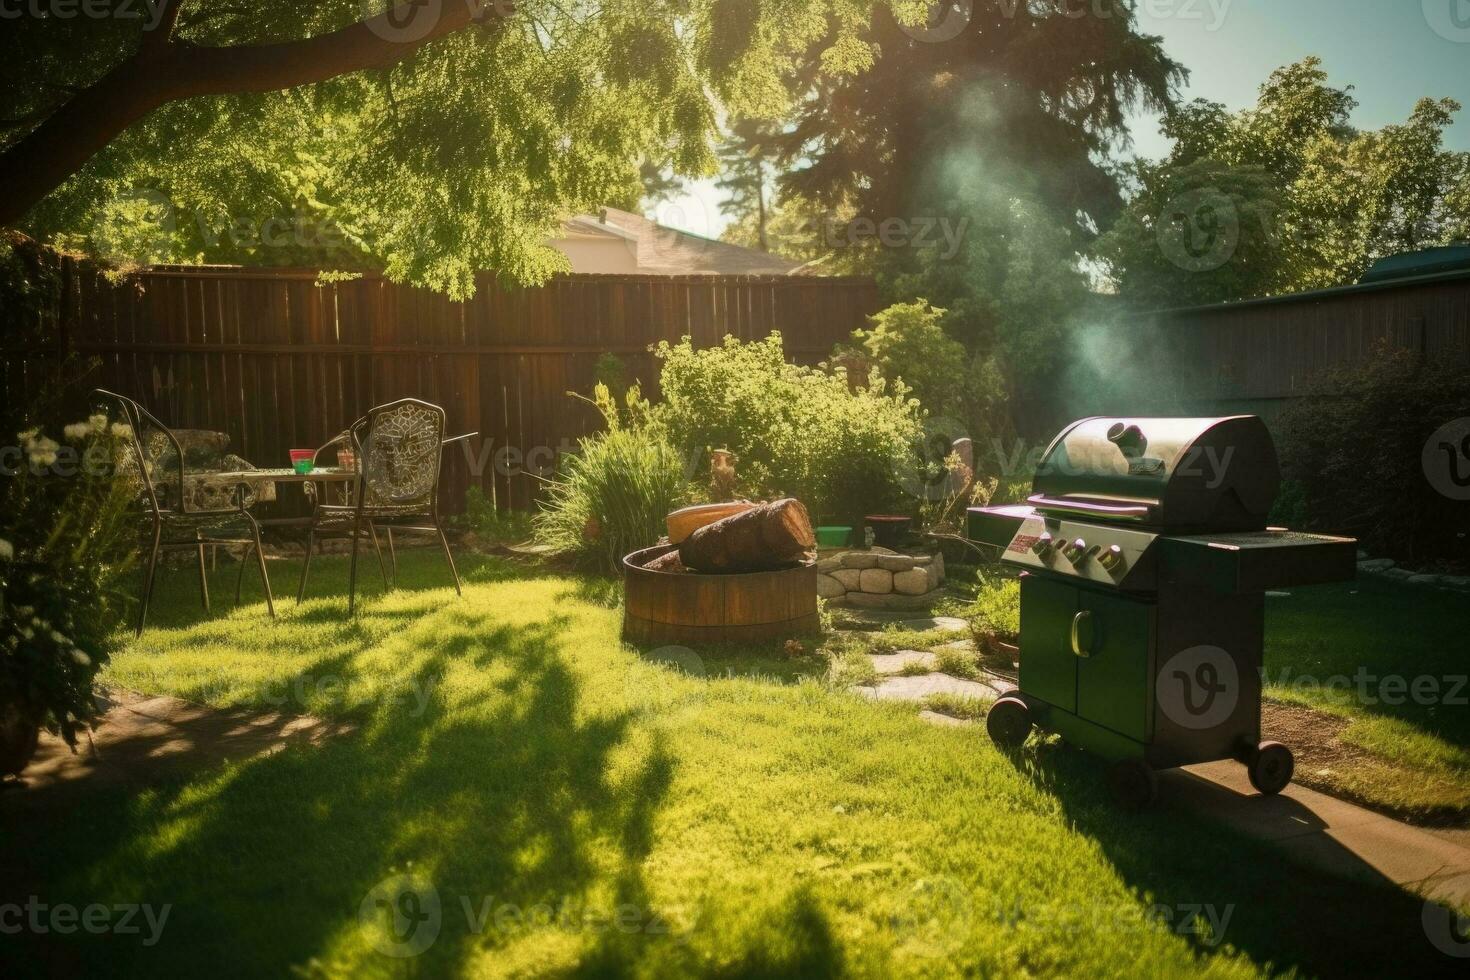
(42, 451)
(58, 639)
(122, 430)
(27, 435)
(77, 431)
(81, 658)
(99, 422)
(7, 550)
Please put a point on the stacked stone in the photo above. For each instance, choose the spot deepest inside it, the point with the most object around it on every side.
(880, 579)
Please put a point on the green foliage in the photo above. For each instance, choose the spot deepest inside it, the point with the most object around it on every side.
(747, 163)
(869, 139)
(1198, 233)
(797, 431)
(490, 525)
(67, 534)
(464, 157)
(996, 612)
(908, 344)
(1351, 451)
(613, 494)
(1285, 196)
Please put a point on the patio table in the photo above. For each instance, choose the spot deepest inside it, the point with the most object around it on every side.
(215, 485)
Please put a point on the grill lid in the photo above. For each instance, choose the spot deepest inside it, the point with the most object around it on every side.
(1166, 474)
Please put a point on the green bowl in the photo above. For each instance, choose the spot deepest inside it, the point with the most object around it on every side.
(834, 537)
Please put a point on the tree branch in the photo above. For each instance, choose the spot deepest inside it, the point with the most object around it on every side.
(167, 71)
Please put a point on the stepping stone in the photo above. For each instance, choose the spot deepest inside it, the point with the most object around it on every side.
(934, 623)
(948, 721)
(887, 664)
(917, 688)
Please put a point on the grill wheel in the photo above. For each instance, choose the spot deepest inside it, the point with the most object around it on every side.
(1271, 768)
(1133, 783)
(1008, 723)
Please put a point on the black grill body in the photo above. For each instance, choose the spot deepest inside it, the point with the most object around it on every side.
(1146, 557)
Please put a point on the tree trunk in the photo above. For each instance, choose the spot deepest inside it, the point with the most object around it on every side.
(765, 537)
(164, 71)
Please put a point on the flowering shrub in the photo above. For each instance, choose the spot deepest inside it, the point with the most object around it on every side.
(797, 431)
(66, 535)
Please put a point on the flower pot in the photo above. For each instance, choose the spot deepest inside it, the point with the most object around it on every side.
(999, 649)
(20, 730)
(834, 537)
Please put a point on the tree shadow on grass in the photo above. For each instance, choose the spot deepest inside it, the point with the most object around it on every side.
(1188, 867)
(497, 794)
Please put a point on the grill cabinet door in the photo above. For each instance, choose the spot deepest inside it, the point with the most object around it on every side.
(1048, 666)
(1113, 682)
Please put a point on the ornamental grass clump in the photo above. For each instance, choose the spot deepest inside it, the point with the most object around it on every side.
(67, 535)
(612, 495)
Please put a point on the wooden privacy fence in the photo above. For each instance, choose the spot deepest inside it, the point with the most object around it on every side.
(1260, 355)
(280, 362)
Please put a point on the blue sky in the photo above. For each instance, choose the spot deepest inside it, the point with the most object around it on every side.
(1393, 52)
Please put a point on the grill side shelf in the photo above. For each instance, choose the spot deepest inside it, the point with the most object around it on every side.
(1256, 562)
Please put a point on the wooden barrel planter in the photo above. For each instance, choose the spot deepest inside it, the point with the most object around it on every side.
(690, 608)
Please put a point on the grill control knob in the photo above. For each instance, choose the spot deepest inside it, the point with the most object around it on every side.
(1111, 559)
(1044, 545)
(1074, 551)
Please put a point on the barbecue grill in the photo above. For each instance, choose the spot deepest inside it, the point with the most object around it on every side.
(1147, 559)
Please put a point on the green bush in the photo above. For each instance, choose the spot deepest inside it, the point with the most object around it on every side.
(1353, 455)
(67, 534)
(908, 344)
(490, 525)
(796, 431)
(613, 494)
(996, 615)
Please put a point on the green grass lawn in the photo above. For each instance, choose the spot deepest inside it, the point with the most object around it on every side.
(1392, 660)
(582, 808)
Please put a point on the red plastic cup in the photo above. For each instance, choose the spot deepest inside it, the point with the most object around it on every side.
(301, 460)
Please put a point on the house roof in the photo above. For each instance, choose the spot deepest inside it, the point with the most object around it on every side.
(661, 250)
(1426, 262)
(1397, 272)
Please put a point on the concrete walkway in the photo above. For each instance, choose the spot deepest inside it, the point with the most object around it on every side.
(1324, 832)
(1311, 828)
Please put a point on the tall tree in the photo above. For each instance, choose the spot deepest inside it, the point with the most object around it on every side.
(451, 134)
(747, 157)
(989, 87)
(1285, 196)
(968, 161)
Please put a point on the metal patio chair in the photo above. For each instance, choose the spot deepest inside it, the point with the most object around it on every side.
(399, 448)
(181, 513)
